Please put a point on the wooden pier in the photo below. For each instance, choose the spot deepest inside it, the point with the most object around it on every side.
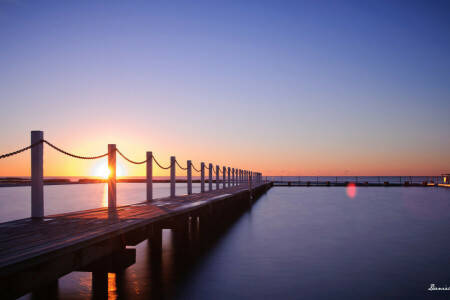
(36, 252)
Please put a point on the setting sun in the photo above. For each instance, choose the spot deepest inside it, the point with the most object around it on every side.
(101, 170)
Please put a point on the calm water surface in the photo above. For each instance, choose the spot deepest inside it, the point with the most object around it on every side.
(294, 243)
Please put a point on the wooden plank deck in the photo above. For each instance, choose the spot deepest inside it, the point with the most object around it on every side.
(27, 242)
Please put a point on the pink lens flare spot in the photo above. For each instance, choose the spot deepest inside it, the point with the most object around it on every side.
(351, 190)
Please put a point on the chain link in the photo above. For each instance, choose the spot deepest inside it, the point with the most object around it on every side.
(132, 161)
(194, 168)
(73, 155)
(164, 168)
(180, 166)
(21, 150)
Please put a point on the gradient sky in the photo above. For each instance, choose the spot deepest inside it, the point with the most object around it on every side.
(281, 87)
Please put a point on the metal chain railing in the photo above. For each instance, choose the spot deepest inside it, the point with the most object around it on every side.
(132, 161)
(103, 155)
(74, 155)
(195, 168)
(20, 150)
(180, 166)
(164, 168)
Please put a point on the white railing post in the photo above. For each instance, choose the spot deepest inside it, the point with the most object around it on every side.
(189, 177)
(112, 196)
(172, 176)
(240, 177)
(202, 177)
(217, 177)
(210, 177)
(149, 180)
(37, 175)
(229, 178)
(224, 177)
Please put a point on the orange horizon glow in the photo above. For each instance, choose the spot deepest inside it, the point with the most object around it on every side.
(270, 160)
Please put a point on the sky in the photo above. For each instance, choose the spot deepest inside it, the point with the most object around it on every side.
(279, 87)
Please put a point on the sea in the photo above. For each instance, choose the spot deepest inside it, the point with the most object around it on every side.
(293, 243)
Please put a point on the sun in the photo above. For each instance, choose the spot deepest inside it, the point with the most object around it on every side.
(101, 170)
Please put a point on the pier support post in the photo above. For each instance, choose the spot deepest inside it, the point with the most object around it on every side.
(217, 177)
(155, 239)
(100, 285)
(229, 178)
(172, 176)
(112, 196)
(37, 175)
(189, 177)
(149, 180)
(210, 177)
(224, 177)
(202, 177)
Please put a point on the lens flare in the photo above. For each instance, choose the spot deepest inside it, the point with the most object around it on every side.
(351, 190)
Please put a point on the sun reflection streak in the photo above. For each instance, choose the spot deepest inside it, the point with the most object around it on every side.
(112, 288)
(105, 195)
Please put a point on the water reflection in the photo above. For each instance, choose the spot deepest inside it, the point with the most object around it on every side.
(389, 244)
(105, 195)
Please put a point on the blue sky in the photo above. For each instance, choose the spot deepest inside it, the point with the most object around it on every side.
(286, 87)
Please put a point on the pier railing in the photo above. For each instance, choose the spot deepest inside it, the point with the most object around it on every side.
(230, 176)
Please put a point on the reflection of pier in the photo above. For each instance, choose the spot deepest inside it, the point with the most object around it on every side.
(35, 252)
